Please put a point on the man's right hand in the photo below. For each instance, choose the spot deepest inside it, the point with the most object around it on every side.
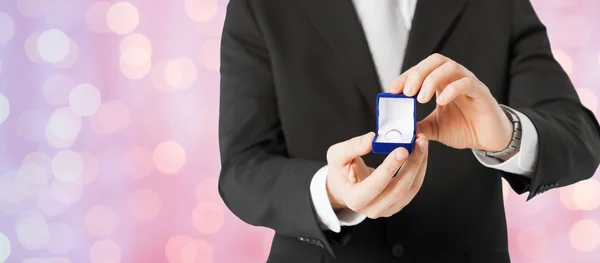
(374, 192)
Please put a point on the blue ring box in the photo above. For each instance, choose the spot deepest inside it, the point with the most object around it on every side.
(396, 123)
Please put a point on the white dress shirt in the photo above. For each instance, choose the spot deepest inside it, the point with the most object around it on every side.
(388, 67)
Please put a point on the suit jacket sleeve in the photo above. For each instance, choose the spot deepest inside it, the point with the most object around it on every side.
(259, 182)
(569, 134)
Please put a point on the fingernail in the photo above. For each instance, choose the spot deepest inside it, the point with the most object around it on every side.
(400, 154)
(422, 95)
(365, 139)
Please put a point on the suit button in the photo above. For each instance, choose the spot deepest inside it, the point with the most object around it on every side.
(398, 250)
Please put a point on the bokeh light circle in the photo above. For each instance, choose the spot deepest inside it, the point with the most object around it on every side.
(71, 58)
(7, 28)
(180, 73)
(33, 232)
(56, 89)
(53, 45)
(31, 48)
(210, 54)
(33, 8)
(174, 247)
(85, 99)
(95, 17)
(201, 10)
(61, 240)
(169, 157)
(4, 108)
(112, 117)
(49, 205)
(574, 31)
(62, 14)
(5, 247)
(144, 204)
(105, 251)
(31, 124)
(66, 193)
(100, 220)
(31, 178)
(9, 190)
(208, 217)
(588, 98)
(564, 60)
(208, 189)
(566, 197)
(197, 251)
(91, 167)
(533, 241)
(122, 18)
(138, 162)
(67, 166)
(586, 194)
(584, 235)
(63, 128)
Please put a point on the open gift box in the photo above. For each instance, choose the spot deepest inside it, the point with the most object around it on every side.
(396, 123)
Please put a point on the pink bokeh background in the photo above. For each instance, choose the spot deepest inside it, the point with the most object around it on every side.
(108, 137)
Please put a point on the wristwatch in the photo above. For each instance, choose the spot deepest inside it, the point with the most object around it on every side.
(515, 141)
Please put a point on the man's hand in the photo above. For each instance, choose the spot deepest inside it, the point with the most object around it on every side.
(374, 192)
(466, 116)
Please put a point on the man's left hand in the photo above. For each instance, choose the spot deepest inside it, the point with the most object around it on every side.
(466, 114)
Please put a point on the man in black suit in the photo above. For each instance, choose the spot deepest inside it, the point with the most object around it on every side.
(298, 85)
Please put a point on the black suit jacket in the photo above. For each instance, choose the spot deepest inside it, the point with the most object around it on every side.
(298, 77)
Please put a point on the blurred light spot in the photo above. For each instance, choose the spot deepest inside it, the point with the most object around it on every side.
(533, 241)
(197, 251)
(105, 251)
(585, 235)
(31, 48)
(61, 238)
(157, 77)
(90, 167)
(112, 116)
(564, 60)
(136, 40)
(31, 178)
(95, 17)
(505, 189)
(169, 157)
(62, 15)
(135, 63)
(138, 162)
(144, 204)
(574, 31)
(9, 190)
(56, 89)
(201, 10)
(67, 166)
(7, 28)
(174, 248)
(122, 18)
(38, 158)
(49, 205)
(63, 128)
(33, 8)
(208, 188)
(180, 73)
(4, 108)
(100, 221)
(31, 124)
(85, 100)
(66, 193)
(210, 54)
(32, 231)
(586, 194)
(588, 99)
(53, 45)
(58, 260)
(71, 58)
(208, 217)
(212, 28)
(5, 248)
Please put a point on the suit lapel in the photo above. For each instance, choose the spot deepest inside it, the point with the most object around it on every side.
(432, 20)
(338, 23)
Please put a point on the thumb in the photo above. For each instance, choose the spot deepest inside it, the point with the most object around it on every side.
(428, 127)
(344, 152)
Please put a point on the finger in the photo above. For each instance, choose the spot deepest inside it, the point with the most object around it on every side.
(466, 86)
(439, 78)
(428, 127)
(399, 189)
(397, 85)
(344, 152)
(420, 72)
(373, 185)
(362, 171)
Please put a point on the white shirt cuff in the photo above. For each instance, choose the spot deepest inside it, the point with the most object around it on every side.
(328, 219)
(524, 162)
